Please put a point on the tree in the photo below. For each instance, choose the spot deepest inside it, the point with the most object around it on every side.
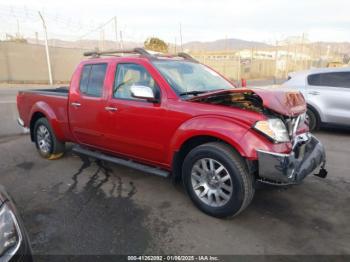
(156, 44)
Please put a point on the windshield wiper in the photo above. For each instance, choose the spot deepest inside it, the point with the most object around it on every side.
(192, 93)
(196, 92)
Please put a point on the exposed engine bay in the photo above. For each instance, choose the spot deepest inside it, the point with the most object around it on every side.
(247, 100)
(285, 103)
(251, 100)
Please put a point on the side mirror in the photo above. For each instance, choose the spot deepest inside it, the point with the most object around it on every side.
(143, 92)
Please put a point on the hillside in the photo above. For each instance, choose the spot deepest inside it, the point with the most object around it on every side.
(223, 44)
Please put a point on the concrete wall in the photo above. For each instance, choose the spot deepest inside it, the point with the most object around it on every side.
(26, 63)
(233, 68)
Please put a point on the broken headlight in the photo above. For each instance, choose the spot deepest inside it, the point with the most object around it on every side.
(273, 128)
(10, 235)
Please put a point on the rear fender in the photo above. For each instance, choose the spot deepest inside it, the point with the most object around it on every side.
(45, 109)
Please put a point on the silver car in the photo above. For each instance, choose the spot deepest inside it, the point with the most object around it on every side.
(327, 93)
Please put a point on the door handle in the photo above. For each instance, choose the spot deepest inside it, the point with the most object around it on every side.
(112, 109)
(75, 104)
(315, 93)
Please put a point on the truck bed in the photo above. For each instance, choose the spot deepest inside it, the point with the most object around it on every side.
(49, 100)
(59, 91)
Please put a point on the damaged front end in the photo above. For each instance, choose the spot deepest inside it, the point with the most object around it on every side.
(307, 155)
(263, 100)
(285, 123)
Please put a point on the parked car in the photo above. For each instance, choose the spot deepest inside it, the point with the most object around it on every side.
(327, 93)
(172, 115)
(14, 242)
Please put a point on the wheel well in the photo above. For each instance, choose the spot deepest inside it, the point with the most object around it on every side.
(186, 147)
(313, 109)
(35, 117)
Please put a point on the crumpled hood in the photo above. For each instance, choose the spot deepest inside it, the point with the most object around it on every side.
(286, 102)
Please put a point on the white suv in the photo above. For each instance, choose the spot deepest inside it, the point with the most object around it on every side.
(327, 93)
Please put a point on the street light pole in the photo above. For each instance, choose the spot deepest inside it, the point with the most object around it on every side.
(116, 30)
(181, 38)
(47, 49)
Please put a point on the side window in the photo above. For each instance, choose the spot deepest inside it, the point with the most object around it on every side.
(84, 81)
(128, 75)
(92, 78)
(336, 79)
(314, 80)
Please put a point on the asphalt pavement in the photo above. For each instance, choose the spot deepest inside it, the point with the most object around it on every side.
(78, 205)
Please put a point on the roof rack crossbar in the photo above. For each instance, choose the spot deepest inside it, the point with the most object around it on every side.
(187, 57)
(138, 50)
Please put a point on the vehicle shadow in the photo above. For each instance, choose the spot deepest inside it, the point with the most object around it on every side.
(335, 130)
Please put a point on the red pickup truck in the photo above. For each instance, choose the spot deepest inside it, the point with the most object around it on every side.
(170, 115)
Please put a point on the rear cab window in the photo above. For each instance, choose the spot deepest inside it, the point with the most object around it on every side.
(92, 79)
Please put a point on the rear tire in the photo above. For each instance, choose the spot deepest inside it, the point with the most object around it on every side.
(313, 119)
(217, 180)
(46, 142)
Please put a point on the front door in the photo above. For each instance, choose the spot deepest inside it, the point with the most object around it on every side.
(135, 125)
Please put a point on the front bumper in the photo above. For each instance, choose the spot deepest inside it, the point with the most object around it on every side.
(20, 122)
(308, 154)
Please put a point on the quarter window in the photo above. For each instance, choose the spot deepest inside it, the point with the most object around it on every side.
(314, 80)
(84, 81)
(92, 79)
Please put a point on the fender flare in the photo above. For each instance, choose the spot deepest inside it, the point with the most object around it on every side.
(46, 110)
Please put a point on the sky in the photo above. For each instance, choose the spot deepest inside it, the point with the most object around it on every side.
(201, 20)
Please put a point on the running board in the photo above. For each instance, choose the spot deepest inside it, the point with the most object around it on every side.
(120, 161)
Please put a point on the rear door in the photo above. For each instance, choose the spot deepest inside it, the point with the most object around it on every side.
(86, 105)
(331, 93)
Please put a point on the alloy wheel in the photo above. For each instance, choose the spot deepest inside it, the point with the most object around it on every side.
(43, 138)
(211, 182)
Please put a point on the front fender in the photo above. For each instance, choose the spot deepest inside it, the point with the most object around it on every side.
(45, 109)
(227, 129)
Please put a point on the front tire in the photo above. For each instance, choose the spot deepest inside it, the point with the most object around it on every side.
(46, 142)
(217, 180)
(313, 119)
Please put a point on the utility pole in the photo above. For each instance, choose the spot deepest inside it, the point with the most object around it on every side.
(18, 31)
(276, 63)
(302, 52)
(121, 40)
(181, 38)
(116, 30)
(287, 63)
(47, 49)
(239, 69)
(102, 39)
(36, 38)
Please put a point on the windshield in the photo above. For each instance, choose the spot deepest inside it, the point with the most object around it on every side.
(187, 78)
